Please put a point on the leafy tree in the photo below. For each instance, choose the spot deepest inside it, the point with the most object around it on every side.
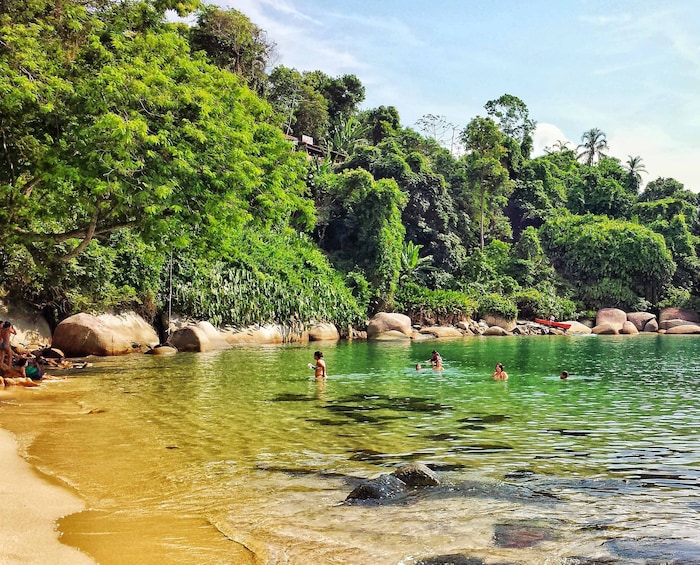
(111, 124)
(592, 147)
(381, 122)
(513, 118)
(487, 176)
(600, 190)
(661, 188)
(609, 262)
(365, 229)
(234, 43)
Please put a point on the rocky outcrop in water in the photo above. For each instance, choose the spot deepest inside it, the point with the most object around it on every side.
(391, 485)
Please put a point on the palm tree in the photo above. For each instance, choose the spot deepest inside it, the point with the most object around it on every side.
(592, 146)
(635, 168)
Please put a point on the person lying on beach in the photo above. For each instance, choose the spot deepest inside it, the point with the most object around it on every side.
(15, 377)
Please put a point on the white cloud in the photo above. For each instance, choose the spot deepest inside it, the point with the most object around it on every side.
(546, 135)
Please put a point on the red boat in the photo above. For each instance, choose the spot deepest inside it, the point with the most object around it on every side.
(552, 323)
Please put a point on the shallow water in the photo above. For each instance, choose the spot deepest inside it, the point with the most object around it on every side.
(241, 457)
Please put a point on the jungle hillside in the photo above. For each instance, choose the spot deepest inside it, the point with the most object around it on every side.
(153, 165)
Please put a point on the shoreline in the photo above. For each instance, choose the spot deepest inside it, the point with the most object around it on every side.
(31, 506)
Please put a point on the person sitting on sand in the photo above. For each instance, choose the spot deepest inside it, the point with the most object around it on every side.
(500, 374)
(30, 370)
(320, 366)
(6, 334)
(435, 360)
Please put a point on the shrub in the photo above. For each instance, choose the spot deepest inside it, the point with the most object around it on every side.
(497, 305)
(425, 306)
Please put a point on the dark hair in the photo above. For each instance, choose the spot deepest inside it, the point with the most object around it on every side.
(499, 365)
(23, 363)
(318, 354)
(565, 374)
(6, 325)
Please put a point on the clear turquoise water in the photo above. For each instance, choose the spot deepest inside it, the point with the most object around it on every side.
(244, 449)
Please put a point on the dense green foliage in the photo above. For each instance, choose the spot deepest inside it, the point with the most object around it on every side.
(136, 152)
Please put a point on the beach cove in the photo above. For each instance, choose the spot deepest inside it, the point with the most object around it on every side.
(238, 456)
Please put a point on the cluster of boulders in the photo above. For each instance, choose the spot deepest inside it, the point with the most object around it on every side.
(110, 334)
(670, 320)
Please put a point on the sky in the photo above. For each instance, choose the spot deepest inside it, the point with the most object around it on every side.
(628, 68)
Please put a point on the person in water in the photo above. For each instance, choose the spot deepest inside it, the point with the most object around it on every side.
(500, 374)
(564, 375)
(320, 366)
(435, 360)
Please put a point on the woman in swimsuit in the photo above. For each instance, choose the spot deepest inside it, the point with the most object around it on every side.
(320, 366)
(6, 334)
(500, 374)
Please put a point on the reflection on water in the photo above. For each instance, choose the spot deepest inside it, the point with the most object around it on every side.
(243, 457)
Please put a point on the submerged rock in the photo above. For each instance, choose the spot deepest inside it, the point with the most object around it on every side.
(382, 487)
(417, 475)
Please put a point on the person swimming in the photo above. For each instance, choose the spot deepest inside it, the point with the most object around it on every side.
(564, 375)
(435, 360)
(500, 374)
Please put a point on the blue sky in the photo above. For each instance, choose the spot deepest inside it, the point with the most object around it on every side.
(629, 68)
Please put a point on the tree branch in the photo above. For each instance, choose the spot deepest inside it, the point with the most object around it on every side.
(76, 233)
(89, 234)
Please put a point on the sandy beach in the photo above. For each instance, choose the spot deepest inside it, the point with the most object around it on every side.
(30, 505)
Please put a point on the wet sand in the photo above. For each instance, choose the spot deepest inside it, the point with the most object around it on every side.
(30, 505)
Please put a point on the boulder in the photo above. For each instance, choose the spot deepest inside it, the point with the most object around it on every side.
(190, 338)
(382, 487)
(678, 314)
(32, 329)
(495, 330)
(323, 332)
(107, 334)
(651, 326)
(577, 328)
(385, 325)
(687, 329)
(162, 350)
(668, 324)
(216, 338)
(628, 328)
(270, 334)
(640, 319)
(500, 321)
(441, 331)
(606, 328)
(417, 475)
(613, 316)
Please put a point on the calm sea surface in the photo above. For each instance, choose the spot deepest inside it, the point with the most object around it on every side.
(241, 457)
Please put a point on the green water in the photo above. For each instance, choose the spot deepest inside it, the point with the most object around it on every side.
(240, 456)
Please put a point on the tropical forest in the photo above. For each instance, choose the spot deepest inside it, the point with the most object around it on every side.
(155, 158)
